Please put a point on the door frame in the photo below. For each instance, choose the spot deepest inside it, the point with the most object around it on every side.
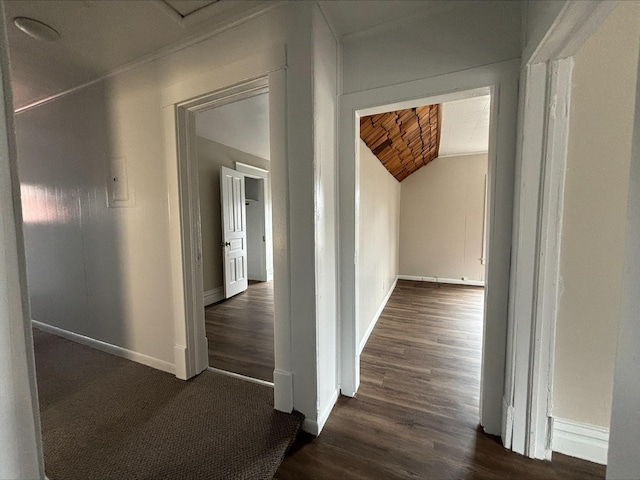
(190, 350)
(257, 173)
(546, 76)
(500, 80)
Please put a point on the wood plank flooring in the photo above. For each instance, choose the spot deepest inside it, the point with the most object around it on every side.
(240, 332)
(416, 413)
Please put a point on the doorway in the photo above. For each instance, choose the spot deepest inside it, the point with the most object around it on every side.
(500, 83)
(233, 155)
(421, 228)
(193, 357)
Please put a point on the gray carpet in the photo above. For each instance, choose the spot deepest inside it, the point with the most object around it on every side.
(104, 417)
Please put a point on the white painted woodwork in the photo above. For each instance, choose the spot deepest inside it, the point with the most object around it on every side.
(20, 439)
(234, 231)
(557, 35)
(588, 442)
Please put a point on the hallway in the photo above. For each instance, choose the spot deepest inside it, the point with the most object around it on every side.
(416, 412)
(240, 332)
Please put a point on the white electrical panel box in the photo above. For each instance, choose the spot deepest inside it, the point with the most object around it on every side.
(118, 192)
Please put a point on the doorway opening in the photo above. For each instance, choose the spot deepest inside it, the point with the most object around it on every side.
(421, 228)
(233, 156)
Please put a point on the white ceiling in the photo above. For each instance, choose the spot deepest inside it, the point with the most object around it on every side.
(465, 126)
(100, 36)
(243, 125)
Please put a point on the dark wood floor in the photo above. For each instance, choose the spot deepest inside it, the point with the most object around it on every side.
(416, 412)
(240, 332)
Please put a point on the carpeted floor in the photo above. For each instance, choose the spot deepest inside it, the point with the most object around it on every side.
(104, 417)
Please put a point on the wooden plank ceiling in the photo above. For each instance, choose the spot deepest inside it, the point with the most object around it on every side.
(405, 140)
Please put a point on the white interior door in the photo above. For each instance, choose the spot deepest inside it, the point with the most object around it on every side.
(234, 231)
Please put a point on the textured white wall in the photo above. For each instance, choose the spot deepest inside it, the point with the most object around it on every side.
(442, 217)
(379, 229)
(595, 210)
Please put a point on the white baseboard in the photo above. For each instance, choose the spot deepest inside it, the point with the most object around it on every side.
(107, 347)
(314, 427)
(372, 325)
(588, 442)
(283, 390)
(507, 423)
(453, 281)
(213, 296)
(180, 362)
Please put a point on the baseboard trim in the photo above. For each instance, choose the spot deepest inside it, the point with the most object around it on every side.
(283, 390)
(326, 411)
(107, 347)
(453, 281)
(372, 325)
(213, 296)
(507, 424)
(588, 442)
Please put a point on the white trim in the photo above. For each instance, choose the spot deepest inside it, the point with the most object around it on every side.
(251, 170)
(588, 442)
(326, 411)
(372, 325)
(240, 377)
(543, 115)
(547, 274)
(213, 296)
(283, 390)
(453, 281)
(573, 26)
(465, 154)
(107, 347)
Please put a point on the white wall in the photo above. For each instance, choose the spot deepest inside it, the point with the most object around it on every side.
(107, 273)
(595, 216)
(212, 156)
(325, 78)
(462, 36)
(379, 229)
(442, 218)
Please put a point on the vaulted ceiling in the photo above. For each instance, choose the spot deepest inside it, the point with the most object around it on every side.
(404, 140)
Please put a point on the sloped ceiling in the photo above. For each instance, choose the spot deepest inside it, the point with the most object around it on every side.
(404, 140)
